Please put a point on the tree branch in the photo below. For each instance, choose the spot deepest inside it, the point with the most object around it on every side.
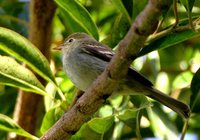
(102, 88)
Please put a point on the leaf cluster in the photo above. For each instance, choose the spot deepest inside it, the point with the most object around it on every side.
(170, 58)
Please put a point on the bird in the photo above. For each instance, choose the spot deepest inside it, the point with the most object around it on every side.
(84, 59)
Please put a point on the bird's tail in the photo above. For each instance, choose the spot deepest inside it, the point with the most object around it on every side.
(177, 106)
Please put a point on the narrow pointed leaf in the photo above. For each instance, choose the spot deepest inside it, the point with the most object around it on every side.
(119, 30)
(122, 9)
(13, 74)
(19, 47)
(170, 40)
(7, 124)
(195, 88)
(79, 15)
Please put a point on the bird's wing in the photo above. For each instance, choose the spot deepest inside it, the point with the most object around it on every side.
(100, 51)
(105, 53)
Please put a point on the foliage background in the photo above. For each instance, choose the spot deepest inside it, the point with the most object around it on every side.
(171, 68)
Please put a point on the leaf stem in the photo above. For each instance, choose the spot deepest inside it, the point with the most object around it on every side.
(62, 96)
(184, 129)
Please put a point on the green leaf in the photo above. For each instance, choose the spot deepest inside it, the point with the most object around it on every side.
(182, 80)
(23, 50)
(188, 4)
(78, 16)
(169, 40)
(69, 23)
(119, 30)
(120, 6)
(13, 74)
(96, 129)
(7, 124)
(132, 117)
(128, 6)
(194, 121)
(105, 111)
(159, 119)
(140, 101)
(129, 117)
(6, 94)
(101, 125)
(49, 118)
(195, 88)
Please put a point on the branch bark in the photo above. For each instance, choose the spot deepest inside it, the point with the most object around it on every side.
(102, 88)
(30, 105)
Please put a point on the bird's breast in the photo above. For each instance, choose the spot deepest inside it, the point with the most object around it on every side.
(82, 69)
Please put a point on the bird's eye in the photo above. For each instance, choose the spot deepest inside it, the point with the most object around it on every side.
(70, 40)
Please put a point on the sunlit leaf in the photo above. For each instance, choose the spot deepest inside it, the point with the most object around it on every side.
(77, 14)
(101, 125)
(13, 74)
(23, 50)
(161, 124)
(49, 118)
(105, 111)
(182, 80)
(7, 124)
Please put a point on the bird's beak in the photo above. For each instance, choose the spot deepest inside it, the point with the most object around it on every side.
(58, 47)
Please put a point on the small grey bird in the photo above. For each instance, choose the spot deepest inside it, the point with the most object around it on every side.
(84, 59)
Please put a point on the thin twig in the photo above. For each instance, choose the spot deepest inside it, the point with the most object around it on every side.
(168, 31)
